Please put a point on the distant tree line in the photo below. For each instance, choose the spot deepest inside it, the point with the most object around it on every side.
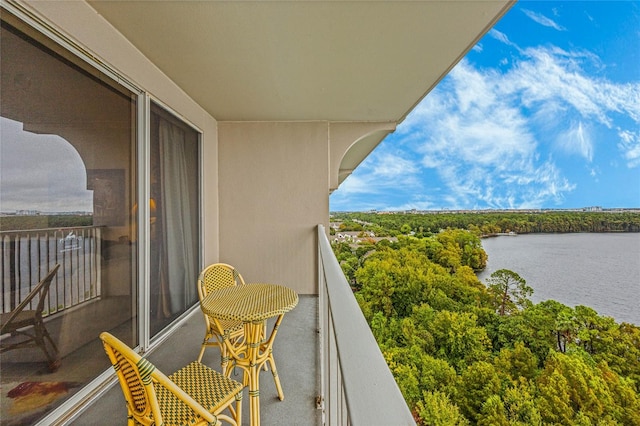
(21, 223)
(465, 352)
(491, 222)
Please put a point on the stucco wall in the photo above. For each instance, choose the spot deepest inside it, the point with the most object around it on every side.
(273, 193)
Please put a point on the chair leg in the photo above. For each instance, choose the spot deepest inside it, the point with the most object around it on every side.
(206, 342)
(204, 346)
(239, 409)
(265, 366)
(224, 360)
(236, 412)
(276, 379)
(41, 334)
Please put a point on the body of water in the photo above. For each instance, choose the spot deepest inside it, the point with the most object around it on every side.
(597, 270)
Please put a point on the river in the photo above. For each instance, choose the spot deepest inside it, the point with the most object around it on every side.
(597, 270)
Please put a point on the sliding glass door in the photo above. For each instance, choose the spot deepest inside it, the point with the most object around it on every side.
(68, 188)
(73, 171)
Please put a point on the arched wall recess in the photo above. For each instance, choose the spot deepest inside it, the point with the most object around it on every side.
(350, 143)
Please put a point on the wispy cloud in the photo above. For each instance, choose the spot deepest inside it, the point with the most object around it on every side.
(566, 98)
(380, 171)
(480, 133)
(501, 37)
(577, 139)
(543, 20)
(629, 145)
(551, 74)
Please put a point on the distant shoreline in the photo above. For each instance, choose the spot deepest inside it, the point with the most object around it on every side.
(485, 211)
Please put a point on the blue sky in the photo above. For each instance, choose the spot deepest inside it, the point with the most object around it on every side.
(544, 112)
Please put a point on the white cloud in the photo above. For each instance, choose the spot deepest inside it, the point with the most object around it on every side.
(391, 166)
(379, 171)
(543, 20)
(354, 184)
(501, 37)
(630, 146)
(577, 139)
(478, 143)
(482, 130)
(554, 75)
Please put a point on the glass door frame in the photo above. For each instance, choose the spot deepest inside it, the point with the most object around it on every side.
(144, 194)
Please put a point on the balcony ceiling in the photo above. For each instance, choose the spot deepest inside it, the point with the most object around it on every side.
(304, 60)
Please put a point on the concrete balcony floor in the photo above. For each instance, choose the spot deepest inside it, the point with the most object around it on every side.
(296, 356)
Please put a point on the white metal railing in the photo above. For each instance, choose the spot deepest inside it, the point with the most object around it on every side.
(356, 385)
(28, 255)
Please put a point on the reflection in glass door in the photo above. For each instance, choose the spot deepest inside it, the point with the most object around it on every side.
(68, 188)
(68, 204)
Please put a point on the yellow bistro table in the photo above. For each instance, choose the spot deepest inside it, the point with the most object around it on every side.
(252, 304)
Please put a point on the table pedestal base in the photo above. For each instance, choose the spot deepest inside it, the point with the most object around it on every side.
(251, 357)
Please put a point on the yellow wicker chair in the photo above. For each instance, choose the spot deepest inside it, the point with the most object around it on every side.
(29, 325)
(212, 278)
(193, 395)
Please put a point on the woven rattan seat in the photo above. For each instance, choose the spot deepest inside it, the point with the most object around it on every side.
(28, 326)
(193, 395)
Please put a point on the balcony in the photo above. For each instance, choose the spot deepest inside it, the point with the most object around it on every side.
(296, 353)
(330, 367)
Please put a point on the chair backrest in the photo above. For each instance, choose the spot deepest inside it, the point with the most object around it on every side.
(137, 376)
(41, 290)
(217, 276)
(134, 374)
(44, 290)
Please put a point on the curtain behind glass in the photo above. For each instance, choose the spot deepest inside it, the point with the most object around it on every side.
(175, 235)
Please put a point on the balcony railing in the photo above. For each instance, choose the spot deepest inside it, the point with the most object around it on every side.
(357, 386)
(28, 255)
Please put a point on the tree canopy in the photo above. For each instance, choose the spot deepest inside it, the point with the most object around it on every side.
(465, 352)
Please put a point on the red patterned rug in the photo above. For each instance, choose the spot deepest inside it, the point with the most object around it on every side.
(27, 401)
